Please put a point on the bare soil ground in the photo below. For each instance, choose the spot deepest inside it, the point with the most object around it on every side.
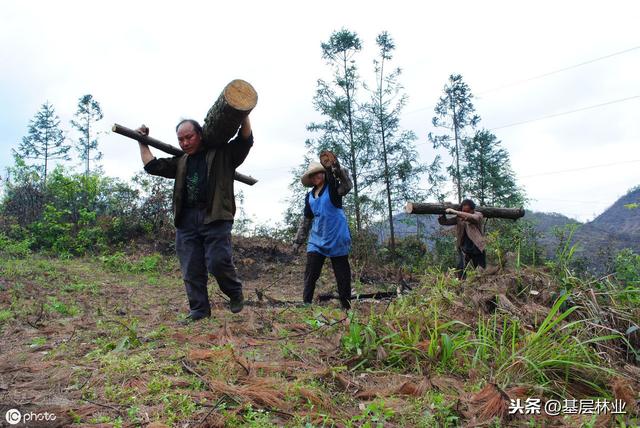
(98, 344)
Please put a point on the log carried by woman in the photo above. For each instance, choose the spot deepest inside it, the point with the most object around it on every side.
(487, 212)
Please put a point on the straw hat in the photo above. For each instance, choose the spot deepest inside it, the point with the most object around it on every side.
(312, 169)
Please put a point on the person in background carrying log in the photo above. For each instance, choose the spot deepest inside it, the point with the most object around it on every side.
(203, 208)
(325, 218)
(470, 241)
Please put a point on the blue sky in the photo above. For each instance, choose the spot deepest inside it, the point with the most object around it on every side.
(157, 62)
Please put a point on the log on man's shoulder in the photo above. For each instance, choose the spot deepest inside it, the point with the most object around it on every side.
(487, 212)
(169, 149)
(235, 103)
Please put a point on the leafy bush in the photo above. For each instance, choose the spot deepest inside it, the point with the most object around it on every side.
(627, 268)
(120, 262)
(13, 248)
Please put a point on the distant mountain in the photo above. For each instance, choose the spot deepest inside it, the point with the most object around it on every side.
(623, 217)
(616, 228)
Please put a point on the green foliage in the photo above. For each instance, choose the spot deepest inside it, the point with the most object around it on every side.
(45, 140)
(85, 118)
(517, 237)
(54, 230)
(344, 129)
(412, 252)
(564, 265)
(445, 254)
(396, 170)
(65, 309)
(627, 274)
(374, 414)
(454, 113)
(434, 410)
(486, 175)
(5, 315)
(257, 418)
(557, 353)
(12, 248)
(627, 268)
(23, 196)
(78, 214)
(120, 262)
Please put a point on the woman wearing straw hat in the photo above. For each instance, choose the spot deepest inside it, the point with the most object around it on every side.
(324, 216)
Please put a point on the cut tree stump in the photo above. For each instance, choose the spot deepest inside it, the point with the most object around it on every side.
(235, 103)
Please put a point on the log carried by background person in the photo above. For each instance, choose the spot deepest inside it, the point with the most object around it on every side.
(235, 102)
(168, 148)
(487, 212)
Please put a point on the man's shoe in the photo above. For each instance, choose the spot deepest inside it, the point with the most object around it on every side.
(191, 318)
(236, 304)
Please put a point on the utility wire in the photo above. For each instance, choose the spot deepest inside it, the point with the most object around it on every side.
(566, 112)
(540, 76)
(581, 169)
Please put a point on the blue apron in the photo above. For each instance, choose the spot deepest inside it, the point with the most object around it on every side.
(330, 232)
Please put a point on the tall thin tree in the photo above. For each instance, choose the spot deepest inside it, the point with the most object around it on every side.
(87, 114)
(396, 156)
(44, 140)
(340, 106)
(455, 113)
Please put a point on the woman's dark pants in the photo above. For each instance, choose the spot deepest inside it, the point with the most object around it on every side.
(341, 269)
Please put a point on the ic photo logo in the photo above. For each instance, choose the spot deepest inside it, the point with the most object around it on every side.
(13, 416)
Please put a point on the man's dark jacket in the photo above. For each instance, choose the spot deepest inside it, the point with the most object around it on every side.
(221, 165)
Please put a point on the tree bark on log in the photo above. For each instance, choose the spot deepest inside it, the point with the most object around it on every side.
(235, 102)
(487, 212)
(168, 148)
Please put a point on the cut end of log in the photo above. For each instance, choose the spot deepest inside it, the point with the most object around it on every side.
(240, 95)
(409, 208)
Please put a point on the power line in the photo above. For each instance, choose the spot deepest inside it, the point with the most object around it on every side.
(580, 169)
(540, 76)
(566, 112)
(557, 114)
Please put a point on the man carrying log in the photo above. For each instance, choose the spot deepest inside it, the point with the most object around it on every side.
(470, 241)
(203, 208)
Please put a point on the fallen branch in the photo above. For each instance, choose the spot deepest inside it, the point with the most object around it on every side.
(35, 324)
(106, 406)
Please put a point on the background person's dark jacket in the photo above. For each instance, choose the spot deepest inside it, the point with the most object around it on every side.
(221, 165)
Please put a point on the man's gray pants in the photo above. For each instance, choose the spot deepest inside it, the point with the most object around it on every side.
(203, 249)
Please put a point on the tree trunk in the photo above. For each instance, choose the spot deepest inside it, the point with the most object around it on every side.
(235, 103)
(354, 166)
(455, 133)
(487, 212)
(386, 163)
(168, 148)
